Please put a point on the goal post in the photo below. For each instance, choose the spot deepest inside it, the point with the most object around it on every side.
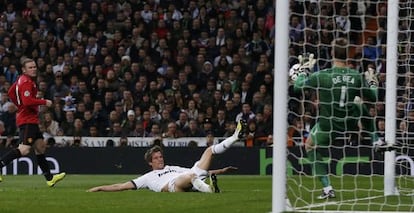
(391, 96)
(280, 107)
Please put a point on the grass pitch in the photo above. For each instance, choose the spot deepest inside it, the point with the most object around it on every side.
(24, 193)
(353, 193)
(240, 193)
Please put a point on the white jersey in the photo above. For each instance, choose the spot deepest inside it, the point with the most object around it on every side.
(155, 180)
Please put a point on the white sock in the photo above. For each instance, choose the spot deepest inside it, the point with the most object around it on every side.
(224, 145)
(201, 186)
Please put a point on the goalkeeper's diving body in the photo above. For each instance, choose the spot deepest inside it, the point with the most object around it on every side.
(340, 92)
(164, 178)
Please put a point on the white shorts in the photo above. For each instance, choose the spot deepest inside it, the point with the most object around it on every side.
(171, 185)
(200, 173)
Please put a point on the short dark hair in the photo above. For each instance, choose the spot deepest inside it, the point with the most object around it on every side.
(152, 150)
(340, 48)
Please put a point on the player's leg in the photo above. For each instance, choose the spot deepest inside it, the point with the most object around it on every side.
(320, 169)
(205, 160)
(181, 183)
(202, 166)
(40, 149)
(22, 150)
(189, 181)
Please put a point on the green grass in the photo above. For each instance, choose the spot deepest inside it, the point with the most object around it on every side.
(24, 193)
(248, 194)
(353, 193)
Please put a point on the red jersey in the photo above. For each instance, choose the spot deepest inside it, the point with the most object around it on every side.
(23, 93)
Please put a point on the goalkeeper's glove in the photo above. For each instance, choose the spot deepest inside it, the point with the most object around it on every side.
(357, 100)
(304, 67)
(308, 61)
(371, 77)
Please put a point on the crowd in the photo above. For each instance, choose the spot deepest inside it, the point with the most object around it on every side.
(132, 68)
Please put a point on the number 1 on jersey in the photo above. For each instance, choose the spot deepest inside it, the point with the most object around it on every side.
(343, 96)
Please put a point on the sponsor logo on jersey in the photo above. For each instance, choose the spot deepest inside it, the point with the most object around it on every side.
(26, 93)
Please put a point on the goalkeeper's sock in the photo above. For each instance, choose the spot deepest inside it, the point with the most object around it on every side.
(319, 168)
(43, 164)
(9, 157)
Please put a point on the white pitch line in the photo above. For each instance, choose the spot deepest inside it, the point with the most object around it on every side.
(336, 202)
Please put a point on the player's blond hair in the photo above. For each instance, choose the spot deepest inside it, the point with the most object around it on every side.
(25, 60)
(152, 150)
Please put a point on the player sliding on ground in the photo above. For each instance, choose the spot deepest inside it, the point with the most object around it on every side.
(340, 91)
(164, 178)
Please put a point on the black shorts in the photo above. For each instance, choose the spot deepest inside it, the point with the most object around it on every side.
(29, 133)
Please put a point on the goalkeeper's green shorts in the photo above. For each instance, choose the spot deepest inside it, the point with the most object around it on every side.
(323, 137)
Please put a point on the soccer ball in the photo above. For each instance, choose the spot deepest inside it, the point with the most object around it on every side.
(295, 71)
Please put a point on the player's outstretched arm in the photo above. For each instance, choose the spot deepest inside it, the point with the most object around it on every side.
(113, 187)
(223, 170)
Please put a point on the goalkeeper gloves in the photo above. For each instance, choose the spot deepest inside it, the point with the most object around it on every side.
(371, 77)
(307, 62)
(304, 67)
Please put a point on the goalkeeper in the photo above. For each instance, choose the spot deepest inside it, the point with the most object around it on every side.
(340, 91)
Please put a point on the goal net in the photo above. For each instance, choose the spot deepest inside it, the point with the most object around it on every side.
(355, 169)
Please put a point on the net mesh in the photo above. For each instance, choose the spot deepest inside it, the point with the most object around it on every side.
(355, 169)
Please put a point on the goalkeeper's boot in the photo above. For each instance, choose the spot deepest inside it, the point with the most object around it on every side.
(324, 195)
(56, 178)
(241, 129)
(213, 183)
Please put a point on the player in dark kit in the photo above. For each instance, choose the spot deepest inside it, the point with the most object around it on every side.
(23, 94)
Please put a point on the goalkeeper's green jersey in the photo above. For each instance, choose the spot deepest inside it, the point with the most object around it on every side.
(336, 90)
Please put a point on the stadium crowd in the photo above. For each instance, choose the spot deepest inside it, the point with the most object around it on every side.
(132, 68)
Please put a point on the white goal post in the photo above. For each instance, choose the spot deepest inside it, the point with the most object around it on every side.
(280, 106)
(391, 96)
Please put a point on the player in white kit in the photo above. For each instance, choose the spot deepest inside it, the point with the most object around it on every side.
(164, 178)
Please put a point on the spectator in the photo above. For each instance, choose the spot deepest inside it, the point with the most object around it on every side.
(123, 142)
(191, 110)
(209, 139)
(9, 117)
(208, 125)
(116, 130)
(67, 124)
(78, 129)
(371, 51)
(93, 131)
(246, 114)
(128, 124)
(155, 131)
(51, 126)
(172, 131)
(193, 129)
(59, 88)
(165, 120)
(230, 111)
(219, 125)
